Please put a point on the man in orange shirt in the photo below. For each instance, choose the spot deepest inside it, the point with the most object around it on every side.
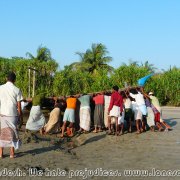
(69, 116)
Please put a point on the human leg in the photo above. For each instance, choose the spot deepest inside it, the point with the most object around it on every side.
(152, 128)
(166, 125)
(109, 124)
(144, 123)
(11, 152)
(130, 126)
(95, 129)
(117, 126)
(1, 152)
(63, 128)
(159, 126)
(138, 126)
(122, 128)
(71, 129)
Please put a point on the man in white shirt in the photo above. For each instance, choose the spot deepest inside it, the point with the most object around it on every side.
(10, 100)
(139, 98)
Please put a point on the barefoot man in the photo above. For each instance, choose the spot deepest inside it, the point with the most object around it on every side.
(115, 108)
(10, 99)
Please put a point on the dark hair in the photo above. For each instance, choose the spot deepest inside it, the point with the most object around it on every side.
(122, 93)
(11, 77)
(132, 99)
(133, 91)
(108, 93)
(116, 88)
(57, 105)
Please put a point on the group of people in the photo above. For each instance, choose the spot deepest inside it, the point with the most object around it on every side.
(113, 111)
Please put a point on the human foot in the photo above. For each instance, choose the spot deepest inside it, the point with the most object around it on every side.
(100, 130)
(12, 156)
(138, 132)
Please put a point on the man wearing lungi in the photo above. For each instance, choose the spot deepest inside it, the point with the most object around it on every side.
(115, 108)
(10, 100)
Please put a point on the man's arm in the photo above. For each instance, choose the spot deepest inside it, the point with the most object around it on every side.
(20, 114)
(145, 95)
(121, 104)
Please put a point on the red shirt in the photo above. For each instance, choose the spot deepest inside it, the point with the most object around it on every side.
(117, 100)
(99, 99)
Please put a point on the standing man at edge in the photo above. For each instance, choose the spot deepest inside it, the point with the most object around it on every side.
(10, 99)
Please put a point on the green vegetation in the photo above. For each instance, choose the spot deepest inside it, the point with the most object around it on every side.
(91, 74)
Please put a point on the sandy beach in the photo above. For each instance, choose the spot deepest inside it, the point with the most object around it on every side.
(51, 157)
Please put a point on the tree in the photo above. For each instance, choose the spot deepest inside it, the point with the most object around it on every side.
(43, 54)
(93, 59)
(149, 67)
(128, 74)
(131, 63)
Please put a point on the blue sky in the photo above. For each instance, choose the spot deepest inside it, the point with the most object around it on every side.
(139, 30)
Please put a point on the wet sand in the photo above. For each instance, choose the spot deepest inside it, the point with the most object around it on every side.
(150, 151)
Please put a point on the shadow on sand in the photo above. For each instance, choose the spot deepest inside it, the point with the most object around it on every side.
(36, 151)
(171, 121)
(95, 138)
(56, 144)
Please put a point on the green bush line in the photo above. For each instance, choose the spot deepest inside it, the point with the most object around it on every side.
(51, 81)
